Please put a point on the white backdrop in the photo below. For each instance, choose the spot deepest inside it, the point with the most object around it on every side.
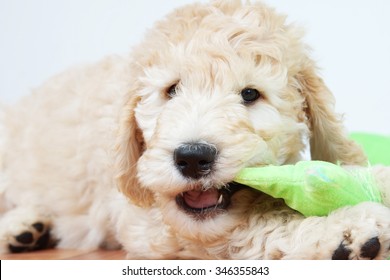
(350, 40)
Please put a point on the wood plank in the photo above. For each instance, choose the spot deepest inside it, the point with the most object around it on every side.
(100, 255)
(60, 254)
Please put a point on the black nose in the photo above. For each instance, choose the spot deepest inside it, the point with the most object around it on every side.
(195, 160)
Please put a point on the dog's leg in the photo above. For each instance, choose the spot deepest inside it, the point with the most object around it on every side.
(81, 232)
(277, 232)
(357, 232)
(24, 229)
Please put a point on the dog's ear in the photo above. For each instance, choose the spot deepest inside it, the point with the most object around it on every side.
(129, 149)
(329, 140)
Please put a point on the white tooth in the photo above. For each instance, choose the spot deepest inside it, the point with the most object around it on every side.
(220, 199)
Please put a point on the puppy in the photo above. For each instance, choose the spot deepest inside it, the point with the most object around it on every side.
(140, 152)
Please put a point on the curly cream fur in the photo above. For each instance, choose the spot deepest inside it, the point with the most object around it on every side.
(89, 131)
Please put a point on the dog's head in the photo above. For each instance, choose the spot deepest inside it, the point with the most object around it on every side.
(215, 88)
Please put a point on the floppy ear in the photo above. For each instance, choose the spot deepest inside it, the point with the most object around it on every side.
(129, 148)
(329, 140)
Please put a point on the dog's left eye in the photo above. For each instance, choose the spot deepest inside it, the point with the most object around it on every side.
(250, 95)
(171, 91)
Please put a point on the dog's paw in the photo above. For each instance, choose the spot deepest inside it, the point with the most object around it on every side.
(367, 236)
(24, 230)
(369, 250)
(34, 237)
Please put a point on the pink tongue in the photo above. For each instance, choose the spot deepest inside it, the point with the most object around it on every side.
(199, 199)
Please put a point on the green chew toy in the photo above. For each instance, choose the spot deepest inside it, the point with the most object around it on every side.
(314, 188)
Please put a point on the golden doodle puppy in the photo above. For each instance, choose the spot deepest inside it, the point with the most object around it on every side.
(213, 88)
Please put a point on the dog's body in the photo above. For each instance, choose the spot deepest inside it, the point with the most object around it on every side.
(212, 89)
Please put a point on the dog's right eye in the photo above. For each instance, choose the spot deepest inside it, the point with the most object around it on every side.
(250, 95)
(171, 91)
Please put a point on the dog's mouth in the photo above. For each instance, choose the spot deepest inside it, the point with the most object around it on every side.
(209, 202)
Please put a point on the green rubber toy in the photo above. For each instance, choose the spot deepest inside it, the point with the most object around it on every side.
(313, 188)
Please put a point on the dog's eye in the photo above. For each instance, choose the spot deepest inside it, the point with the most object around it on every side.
(250, 95)
(171, 91)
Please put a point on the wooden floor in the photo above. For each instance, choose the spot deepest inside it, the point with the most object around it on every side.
(57, 254)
